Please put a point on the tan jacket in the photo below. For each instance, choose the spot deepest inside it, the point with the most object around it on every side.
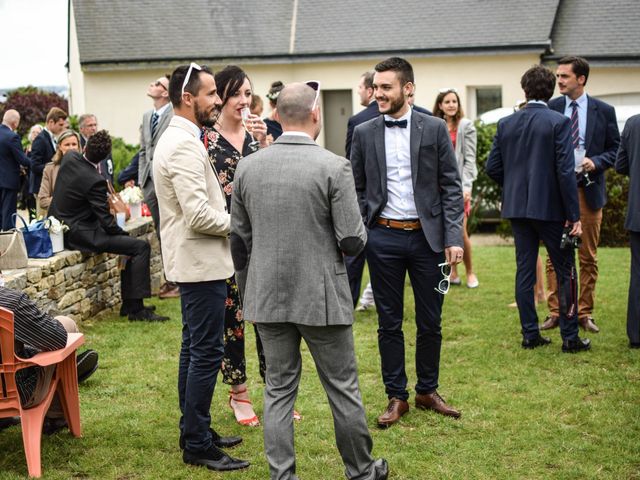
(49, 175)
(194, 222)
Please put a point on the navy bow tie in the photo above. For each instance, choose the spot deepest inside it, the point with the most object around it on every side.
(393, 123)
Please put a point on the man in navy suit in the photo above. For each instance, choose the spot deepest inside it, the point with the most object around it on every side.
(595, 129)
(355, 264)
(628, 163)
(11, 157)
(408, 183)
(44, 146)
(532, 160)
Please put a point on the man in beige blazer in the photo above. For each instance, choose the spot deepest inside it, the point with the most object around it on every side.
(194, 226)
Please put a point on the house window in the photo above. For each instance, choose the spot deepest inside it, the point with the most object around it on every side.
(487, 98)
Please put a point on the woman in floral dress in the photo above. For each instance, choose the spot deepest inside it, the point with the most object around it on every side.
(227, 144)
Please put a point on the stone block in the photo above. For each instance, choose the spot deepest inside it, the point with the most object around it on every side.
(73, 258)
(46, 283)
(59, 278)
(56, 292)
(34, 275)
(70, 298)
(31, 292)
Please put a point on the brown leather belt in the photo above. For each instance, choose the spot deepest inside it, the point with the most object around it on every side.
(409, 225)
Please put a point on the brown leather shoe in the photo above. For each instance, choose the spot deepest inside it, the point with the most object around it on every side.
(589, 324)
(550, 322)
(396, 409)
(433, 401)
(169, 290)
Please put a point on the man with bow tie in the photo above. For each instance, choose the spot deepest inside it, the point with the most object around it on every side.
(410, 198)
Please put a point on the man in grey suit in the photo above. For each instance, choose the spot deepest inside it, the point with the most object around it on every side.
(293, 215)
(154, 123)
(410, 195)
(628, 163)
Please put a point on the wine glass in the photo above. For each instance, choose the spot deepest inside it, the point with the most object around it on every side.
(245, 112)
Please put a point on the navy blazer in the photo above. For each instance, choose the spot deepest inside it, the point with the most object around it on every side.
(11, 157)
(365, 115)
(437, 189)
(602, 139)
(532, 159)
(41, 153)
(628, 163)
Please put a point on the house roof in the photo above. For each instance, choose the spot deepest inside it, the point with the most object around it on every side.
(603, 32)
(121, 31)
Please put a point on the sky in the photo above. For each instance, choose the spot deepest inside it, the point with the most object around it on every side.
(34, 46)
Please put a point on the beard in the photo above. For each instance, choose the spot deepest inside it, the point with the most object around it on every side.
(204, 119)
(395, 105)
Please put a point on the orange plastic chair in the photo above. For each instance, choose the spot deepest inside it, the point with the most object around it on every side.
(65, 382)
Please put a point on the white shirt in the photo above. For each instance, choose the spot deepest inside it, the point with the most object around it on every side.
(161, 110)
(400, 202)
(51, 137)
(295, 133)
(583, 103)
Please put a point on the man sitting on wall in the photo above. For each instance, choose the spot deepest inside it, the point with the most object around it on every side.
(80, 201)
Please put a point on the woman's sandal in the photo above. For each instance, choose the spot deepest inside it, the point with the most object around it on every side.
(249, 422)
(296, 416)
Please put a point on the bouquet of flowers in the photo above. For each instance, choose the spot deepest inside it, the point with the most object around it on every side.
(131, 195)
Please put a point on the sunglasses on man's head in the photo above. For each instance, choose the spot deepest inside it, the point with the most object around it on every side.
(188, 76)
(448, 90)
(316, 86)
(160, 84)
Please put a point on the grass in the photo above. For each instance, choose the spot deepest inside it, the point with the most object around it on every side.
(526, 414)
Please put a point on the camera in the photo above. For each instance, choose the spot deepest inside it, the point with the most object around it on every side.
(568, 240)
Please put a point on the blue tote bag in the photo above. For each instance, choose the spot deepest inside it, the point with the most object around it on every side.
(37, 239)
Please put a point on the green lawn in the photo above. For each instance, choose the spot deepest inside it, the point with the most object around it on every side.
(526, 414)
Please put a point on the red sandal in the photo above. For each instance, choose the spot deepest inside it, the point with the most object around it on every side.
(249, 422)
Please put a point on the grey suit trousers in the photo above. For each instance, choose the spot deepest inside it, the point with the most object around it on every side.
(333, 353)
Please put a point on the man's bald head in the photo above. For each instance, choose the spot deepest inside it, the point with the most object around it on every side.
(11, 119)
(295, 104)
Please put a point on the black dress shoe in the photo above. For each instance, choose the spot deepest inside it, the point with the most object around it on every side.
(125, 311)
(575, 346)
(87, 363)
(9, 422)
(145, 315)
(380, 469)
(634, 345)
(218, 441)
(213, 459)
(535, 342)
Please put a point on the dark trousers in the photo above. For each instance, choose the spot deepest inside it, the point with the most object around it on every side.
(527, 235)
(355, 267)
(200, 358)
(633, 308)
(8, 206)
(391, 254)
(135, 279)
(149, 193)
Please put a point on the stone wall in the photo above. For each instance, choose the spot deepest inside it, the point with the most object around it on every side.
(82, 285)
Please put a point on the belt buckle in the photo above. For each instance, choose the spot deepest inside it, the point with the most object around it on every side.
(407, 228)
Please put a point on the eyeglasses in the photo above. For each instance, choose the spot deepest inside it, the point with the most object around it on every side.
(160, 84)
(448, 90)
(443, 285)
(186, 78)
(316, 86)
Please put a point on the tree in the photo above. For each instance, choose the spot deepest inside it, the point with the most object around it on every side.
(33, 105)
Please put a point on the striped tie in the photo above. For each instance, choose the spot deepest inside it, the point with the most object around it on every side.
(575, 125)
(154, 123)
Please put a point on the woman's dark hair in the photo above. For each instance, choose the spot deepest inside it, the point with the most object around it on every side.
(437, 111)
(98, 146)
(274, 91)
(538, 83)
(228, 81)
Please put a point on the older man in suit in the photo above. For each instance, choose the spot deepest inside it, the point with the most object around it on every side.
(195, 251)
(11, 158)
(628, 163)
(88, 126)
(532, 160)
(593, 128)
(407, 179)
(288, 235)
(154, 123)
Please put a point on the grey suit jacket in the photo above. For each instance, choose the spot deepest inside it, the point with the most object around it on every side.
(148, 143)
(437, 189)
(628, 163)
(466, 140)
(293, 214)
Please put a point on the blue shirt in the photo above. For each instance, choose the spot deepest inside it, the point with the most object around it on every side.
(582, 102)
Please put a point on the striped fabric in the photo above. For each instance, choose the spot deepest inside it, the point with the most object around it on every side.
(34, 331)
(575, 125)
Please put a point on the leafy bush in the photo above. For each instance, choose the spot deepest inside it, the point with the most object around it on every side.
(33, 105)
(612, 231)
(121, 154)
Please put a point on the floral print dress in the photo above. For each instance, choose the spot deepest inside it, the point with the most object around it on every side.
(226, 158)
